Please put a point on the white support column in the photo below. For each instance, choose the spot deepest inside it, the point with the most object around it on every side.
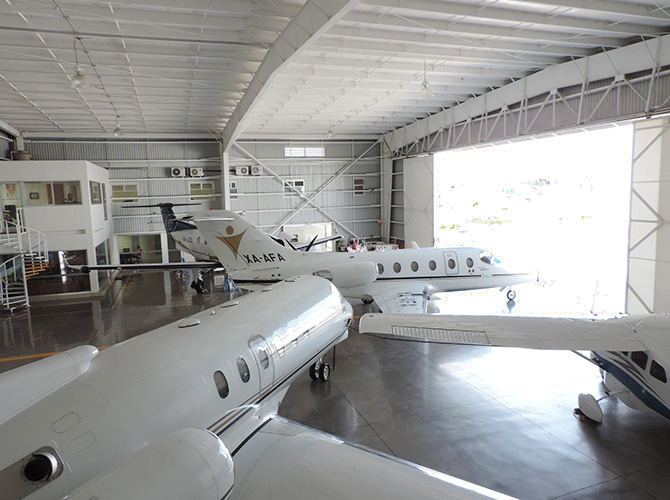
(225, 180)
(648, 284)
(386, 186)
(418, 200)
(165, 253)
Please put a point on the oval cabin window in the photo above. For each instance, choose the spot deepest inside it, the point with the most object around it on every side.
(414, 266)
(451, 264)
(243, 368)
(432, 265)
(396, 267)
(470, 262)
(221, 384)
(380, 268)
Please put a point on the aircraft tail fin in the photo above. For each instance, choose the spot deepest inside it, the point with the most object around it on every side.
(170, 220)
(238, 244)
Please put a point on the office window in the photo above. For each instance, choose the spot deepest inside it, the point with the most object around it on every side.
(67, 193)
(124, 193)
(96, 193)
(39, 193)
(232, 189)
(202, 191)
(289, 186)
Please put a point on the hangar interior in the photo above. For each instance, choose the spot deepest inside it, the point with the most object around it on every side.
(328, 114)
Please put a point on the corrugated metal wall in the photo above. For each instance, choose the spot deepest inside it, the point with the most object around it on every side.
(148, 165)
(266, 203)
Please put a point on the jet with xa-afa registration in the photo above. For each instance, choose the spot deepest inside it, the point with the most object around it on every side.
(188, 411)
(397, 280)
(633, 352)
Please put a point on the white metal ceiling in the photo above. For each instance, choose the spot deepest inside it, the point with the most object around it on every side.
(183, 67)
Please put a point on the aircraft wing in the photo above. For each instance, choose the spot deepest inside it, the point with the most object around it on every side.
(201, 264)
(408, 298)
(285, 460)
(615, 334)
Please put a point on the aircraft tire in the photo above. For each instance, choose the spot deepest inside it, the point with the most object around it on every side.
(511, 294)
(324, 372)
(368, 301)
(313, 372)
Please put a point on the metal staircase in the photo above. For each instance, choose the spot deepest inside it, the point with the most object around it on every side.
(32, 257)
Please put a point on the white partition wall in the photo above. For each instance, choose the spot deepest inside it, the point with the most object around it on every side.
(418, 201)
(648, 284)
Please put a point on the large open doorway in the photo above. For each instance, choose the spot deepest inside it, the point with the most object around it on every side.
(558, 205)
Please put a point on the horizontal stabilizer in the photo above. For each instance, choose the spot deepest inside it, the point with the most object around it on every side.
(201, 264)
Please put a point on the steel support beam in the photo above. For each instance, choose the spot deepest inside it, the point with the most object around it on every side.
(313, 19)
(524, 95)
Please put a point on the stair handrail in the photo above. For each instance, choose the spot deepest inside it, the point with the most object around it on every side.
(37, 240)
(8, 268)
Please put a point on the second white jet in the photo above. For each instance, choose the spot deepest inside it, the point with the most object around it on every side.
(397, 280)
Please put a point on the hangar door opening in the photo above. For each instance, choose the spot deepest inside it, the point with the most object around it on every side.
(557, 205)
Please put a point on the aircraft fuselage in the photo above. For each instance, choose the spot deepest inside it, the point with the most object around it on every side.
(195, 373)
(442, 269)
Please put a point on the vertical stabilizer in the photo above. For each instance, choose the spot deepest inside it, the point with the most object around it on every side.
(239, 245)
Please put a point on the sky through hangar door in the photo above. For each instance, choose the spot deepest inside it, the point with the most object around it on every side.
(261, 352)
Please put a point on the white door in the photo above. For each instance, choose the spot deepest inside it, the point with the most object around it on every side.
(451, 262)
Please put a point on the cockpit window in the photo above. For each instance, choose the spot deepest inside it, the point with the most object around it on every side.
(640, 358)
(486, 258)
(657, 371)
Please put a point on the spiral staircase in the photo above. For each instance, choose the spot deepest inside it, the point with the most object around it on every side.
(28, 256)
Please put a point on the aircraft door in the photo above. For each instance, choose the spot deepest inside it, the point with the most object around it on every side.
(451, 262)
(260, 350)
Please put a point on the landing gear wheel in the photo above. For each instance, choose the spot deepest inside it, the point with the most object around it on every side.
(324, 372)
(368, 301)
(511, 294)
(314, 371)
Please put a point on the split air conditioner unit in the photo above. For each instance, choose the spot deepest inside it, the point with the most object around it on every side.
(256, 170)
(242, 170)
(196, 172)
(178, 171)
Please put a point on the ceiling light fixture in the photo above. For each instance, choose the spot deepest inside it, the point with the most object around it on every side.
(117, 128)
(330, 132)
(426, 90)
(78, 81)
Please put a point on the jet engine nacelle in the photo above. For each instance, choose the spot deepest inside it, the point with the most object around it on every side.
(350, 275)
(189, 463)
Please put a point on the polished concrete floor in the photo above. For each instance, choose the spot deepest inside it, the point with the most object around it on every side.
(498, 417)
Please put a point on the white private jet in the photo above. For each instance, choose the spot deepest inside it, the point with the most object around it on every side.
(188, 411)
(397, 280)
(632, 351)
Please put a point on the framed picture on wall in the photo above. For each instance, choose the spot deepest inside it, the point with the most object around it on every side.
(34, 196)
